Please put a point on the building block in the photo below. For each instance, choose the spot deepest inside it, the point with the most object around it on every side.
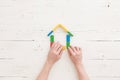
(67, 38)
(70, 33)
(51, 43)
(64, 28)
(52, 38)
(68, 44)
(64, 47)
(54, 29)
(50, 33)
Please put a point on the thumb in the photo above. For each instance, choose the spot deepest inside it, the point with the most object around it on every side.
(69, 51)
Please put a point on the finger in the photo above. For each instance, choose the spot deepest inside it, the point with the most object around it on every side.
(80, 49)
(77, 48)
(53, 44)
(61, 52)
(76, 51)
(59, 49)
(73, 48)
(70, 51)
(58, 46)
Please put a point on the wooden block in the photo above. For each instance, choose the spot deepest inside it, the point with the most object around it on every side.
(52, 38)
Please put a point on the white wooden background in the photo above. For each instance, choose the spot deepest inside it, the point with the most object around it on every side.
(24, 45)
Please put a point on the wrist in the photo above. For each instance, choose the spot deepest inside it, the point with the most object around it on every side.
(78, 65)
(49, 64)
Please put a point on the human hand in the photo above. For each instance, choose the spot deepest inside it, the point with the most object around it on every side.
(55, 53)
(75, 55)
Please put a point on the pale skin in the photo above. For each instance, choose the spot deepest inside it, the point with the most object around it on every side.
(55, 53)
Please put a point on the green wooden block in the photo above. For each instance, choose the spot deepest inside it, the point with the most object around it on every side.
(70, 33)
(68, 44)
(52, 38)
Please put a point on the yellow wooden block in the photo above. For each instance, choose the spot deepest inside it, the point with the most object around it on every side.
(54, 29)
(63, 27)
(64, 47)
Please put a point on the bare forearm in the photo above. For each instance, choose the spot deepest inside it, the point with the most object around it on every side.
(81, 72)
(45, 72)
(54, 55)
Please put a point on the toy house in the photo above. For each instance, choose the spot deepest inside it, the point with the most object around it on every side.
(68, 36)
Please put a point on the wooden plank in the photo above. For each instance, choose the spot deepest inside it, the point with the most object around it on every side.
(24, 44)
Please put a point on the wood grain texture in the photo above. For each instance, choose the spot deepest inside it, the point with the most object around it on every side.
(24, 44)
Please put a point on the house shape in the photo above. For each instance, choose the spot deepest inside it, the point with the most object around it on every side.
(68, 36)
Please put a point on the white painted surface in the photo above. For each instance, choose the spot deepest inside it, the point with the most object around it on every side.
(24, 45)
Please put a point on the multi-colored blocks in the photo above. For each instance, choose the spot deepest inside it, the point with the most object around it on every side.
(67, 40)
(69, 34)
(61, 26)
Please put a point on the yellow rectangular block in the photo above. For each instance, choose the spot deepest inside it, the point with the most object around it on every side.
(63, 27)
(54, 29)
(64, 47)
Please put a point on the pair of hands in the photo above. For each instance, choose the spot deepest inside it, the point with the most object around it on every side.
(56, 51)
(55, 54)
